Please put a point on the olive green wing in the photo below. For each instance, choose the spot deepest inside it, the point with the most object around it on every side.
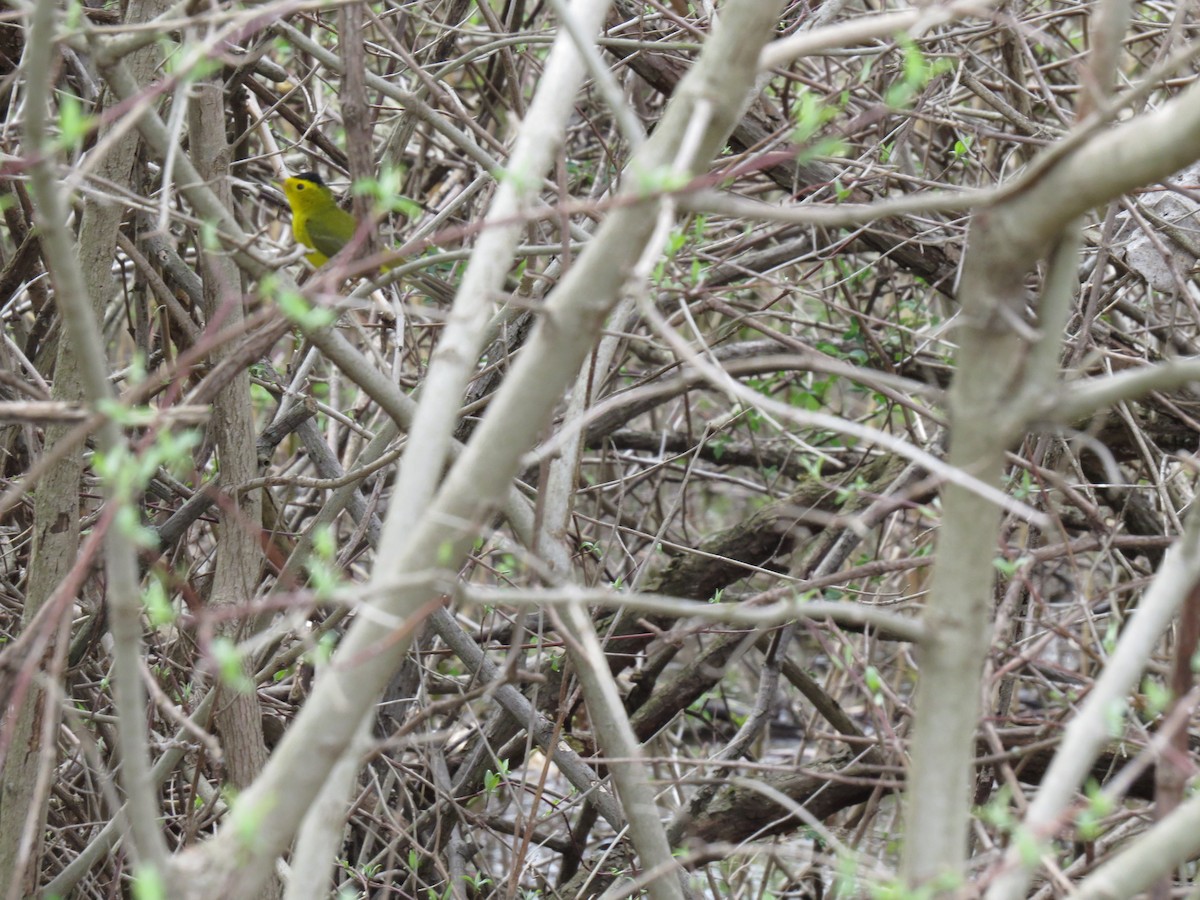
(330, 230)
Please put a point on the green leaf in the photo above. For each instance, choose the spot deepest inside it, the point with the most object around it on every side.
(1007, 567)
(325, 543)
(659, 180)
(1114, 717)
(810, 113)
(148, 884)
(1158, 698)
(829, 146)
(229, 665)
(128, 519)
(73, 124)
(247, 819)
(297, 308)
(157, 604)
(1089, 822)
(323, 652)
(210, 235)
(1030, 848)
(917, 73)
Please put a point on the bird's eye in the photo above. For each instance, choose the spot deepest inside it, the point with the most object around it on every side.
(300, 187)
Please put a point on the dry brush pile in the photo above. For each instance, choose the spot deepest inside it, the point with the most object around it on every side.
(717, 544)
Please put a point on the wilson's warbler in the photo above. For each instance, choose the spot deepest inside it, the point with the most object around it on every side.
(317, 221)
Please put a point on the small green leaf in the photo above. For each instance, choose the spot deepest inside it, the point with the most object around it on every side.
(210, 235)
(1158, 698)
(157, 604)
(296, 307)
(229, 665)
(248, 819)
(1114, 717)
(148, 884)
(73, 125)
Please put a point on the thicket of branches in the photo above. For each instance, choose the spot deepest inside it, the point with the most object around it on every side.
(719, 546)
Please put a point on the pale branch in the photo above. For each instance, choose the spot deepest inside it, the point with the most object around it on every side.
(834, 215)
(868, 28)
(123, 594)
(1090, 729)
(893, 625)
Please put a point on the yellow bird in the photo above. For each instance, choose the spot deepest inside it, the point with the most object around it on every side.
(317, 221)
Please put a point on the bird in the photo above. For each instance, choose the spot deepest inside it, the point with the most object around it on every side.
(317, 221)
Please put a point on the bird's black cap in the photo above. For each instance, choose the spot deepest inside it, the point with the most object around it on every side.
(311, 176)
